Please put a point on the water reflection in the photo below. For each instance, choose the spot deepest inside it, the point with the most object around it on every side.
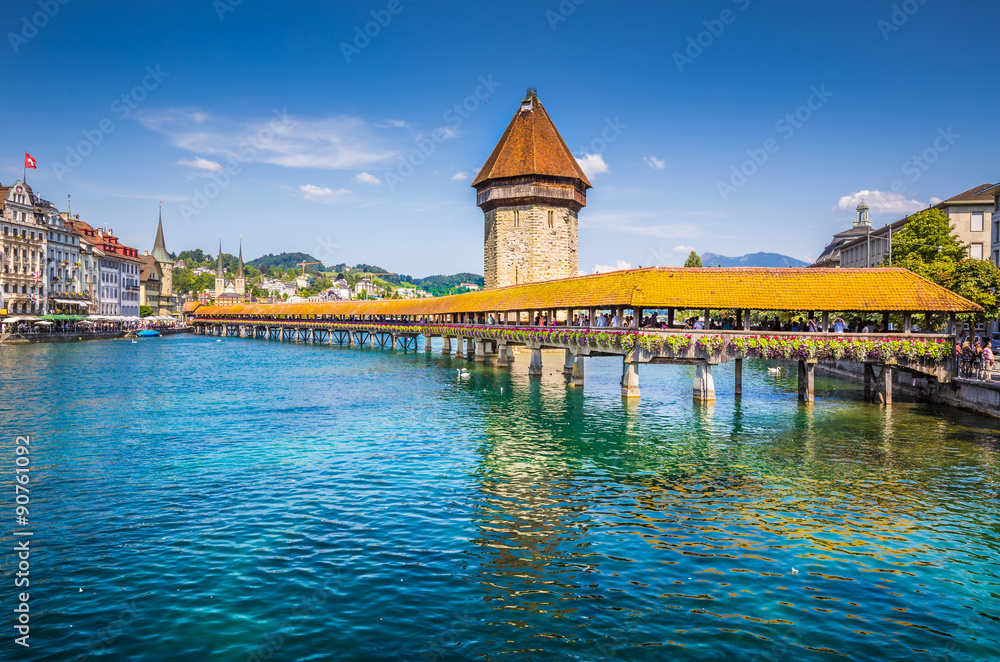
(695, 530)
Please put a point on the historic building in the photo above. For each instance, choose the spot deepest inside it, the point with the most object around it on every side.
(531, 191)
(23, 251)
(156, 279)
(971, 215)
(831, 254)
(240, 284)
(89, 271)
(220, 276)
(64, 263)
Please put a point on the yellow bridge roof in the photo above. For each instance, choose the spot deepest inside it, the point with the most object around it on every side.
(844, 290)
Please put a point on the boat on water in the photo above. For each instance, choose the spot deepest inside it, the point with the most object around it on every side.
(148, 333)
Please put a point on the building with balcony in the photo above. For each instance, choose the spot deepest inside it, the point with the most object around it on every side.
(23, 251)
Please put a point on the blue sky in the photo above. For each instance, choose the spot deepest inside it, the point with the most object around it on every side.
(254, 118)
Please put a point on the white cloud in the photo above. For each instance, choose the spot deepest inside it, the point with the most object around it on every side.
(311, 192)
(619, 266)
(935, 200)
(592, 164)
(331, 143)
(391, 124)
(683, 249)
(199, 163)
(366, 178)
(654, 163)
(881, 202)
(460, 176)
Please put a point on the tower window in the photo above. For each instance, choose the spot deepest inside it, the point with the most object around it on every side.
(552, 219)
(517, 219)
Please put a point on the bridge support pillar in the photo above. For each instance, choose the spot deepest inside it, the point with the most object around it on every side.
(350, 338)
(576, 375)
(738, 376)
(427, 343)
(460, 348)
(535, 367)
(446, 345)
(569, 362)
(630, 379)
(480, 351)
(807, 381)
(470, 347)
(704, 383)
(500, 360)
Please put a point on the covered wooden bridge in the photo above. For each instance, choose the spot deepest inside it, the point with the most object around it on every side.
(609, 315)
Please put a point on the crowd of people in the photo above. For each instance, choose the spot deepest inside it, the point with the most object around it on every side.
(655, 321)
(976, 359)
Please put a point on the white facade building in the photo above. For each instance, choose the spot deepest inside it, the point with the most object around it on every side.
(22, 253)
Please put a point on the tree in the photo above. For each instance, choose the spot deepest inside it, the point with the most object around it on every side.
(927, 246)
(978, 281)
(145, 311)
(693, 260)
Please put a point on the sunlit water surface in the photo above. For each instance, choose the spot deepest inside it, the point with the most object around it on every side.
(241, 500)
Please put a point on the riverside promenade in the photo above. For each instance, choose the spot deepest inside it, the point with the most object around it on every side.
(487, 325)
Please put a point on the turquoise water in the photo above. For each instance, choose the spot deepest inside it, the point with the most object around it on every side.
(241, 500)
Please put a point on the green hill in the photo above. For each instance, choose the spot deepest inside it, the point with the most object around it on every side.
(286, 261)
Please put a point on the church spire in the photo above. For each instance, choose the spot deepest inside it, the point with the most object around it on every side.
(220, 277)
(159, 246)
(240, 284)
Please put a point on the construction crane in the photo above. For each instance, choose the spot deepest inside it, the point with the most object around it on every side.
(304, 264)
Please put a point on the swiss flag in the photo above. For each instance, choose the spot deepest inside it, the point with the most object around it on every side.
(29, 161)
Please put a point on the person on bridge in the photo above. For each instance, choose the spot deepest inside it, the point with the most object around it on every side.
(838, 325)
(989, 361)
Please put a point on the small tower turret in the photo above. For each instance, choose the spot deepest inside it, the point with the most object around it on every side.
(862, 220)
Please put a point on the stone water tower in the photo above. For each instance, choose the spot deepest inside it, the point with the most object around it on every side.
(531, 191)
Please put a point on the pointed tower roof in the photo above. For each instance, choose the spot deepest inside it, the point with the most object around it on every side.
(531, 145)
(239, 270)
(159, 246)
(218, 269)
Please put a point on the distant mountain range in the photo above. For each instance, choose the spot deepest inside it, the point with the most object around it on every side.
(751, 260)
